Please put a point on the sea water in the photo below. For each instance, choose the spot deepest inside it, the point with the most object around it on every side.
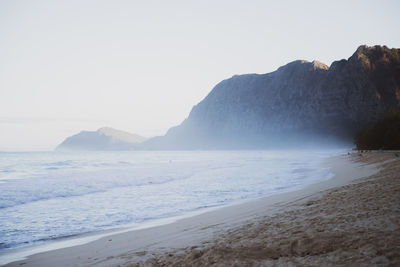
(50, 195)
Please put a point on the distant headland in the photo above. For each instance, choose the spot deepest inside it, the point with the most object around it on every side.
(301, 104)
(105, 138)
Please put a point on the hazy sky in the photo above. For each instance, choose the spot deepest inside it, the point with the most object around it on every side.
(140, 66)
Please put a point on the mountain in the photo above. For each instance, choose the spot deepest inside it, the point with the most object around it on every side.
(301, 104)
(105, 138)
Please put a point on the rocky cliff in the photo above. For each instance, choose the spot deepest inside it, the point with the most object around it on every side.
(302, 103)
(105, 138)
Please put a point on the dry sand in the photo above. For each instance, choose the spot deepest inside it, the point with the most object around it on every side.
(348, 220)
(356, 224)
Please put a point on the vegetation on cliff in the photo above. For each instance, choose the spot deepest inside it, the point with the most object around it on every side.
(384, 134)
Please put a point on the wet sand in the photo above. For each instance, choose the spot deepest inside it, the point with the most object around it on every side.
(356, 224)
(352, 219)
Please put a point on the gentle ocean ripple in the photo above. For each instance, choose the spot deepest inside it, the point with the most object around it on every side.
(50, 195)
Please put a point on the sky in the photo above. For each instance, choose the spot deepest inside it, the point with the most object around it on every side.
(140, 66)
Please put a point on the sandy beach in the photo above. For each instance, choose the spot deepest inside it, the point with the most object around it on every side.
(351, 219)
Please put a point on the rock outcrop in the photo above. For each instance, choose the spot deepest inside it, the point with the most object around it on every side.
(105, 138)
(300, 104)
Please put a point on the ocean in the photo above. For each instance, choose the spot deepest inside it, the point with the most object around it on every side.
(50, 195)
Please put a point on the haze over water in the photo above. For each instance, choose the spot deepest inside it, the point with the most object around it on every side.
(140, 66)
(50, 195)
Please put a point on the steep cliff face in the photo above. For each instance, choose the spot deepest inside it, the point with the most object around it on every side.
(302, 103)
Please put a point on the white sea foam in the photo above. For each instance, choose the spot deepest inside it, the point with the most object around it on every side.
(51, 195)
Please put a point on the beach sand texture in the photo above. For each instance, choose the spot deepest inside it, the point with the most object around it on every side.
(352, 219)
(356, 224)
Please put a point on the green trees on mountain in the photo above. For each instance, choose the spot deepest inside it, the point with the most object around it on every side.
(384, 134)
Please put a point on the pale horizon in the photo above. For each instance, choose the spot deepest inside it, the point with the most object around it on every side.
(140, 67)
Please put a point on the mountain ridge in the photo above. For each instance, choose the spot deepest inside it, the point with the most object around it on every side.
(300, 103)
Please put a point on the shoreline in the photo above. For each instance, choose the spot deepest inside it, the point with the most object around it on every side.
(21, 252)
(193, 230)
(356, 224)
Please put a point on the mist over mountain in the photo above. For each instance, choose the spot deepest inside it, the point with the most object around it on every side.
(105, 138)
(301, 104)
